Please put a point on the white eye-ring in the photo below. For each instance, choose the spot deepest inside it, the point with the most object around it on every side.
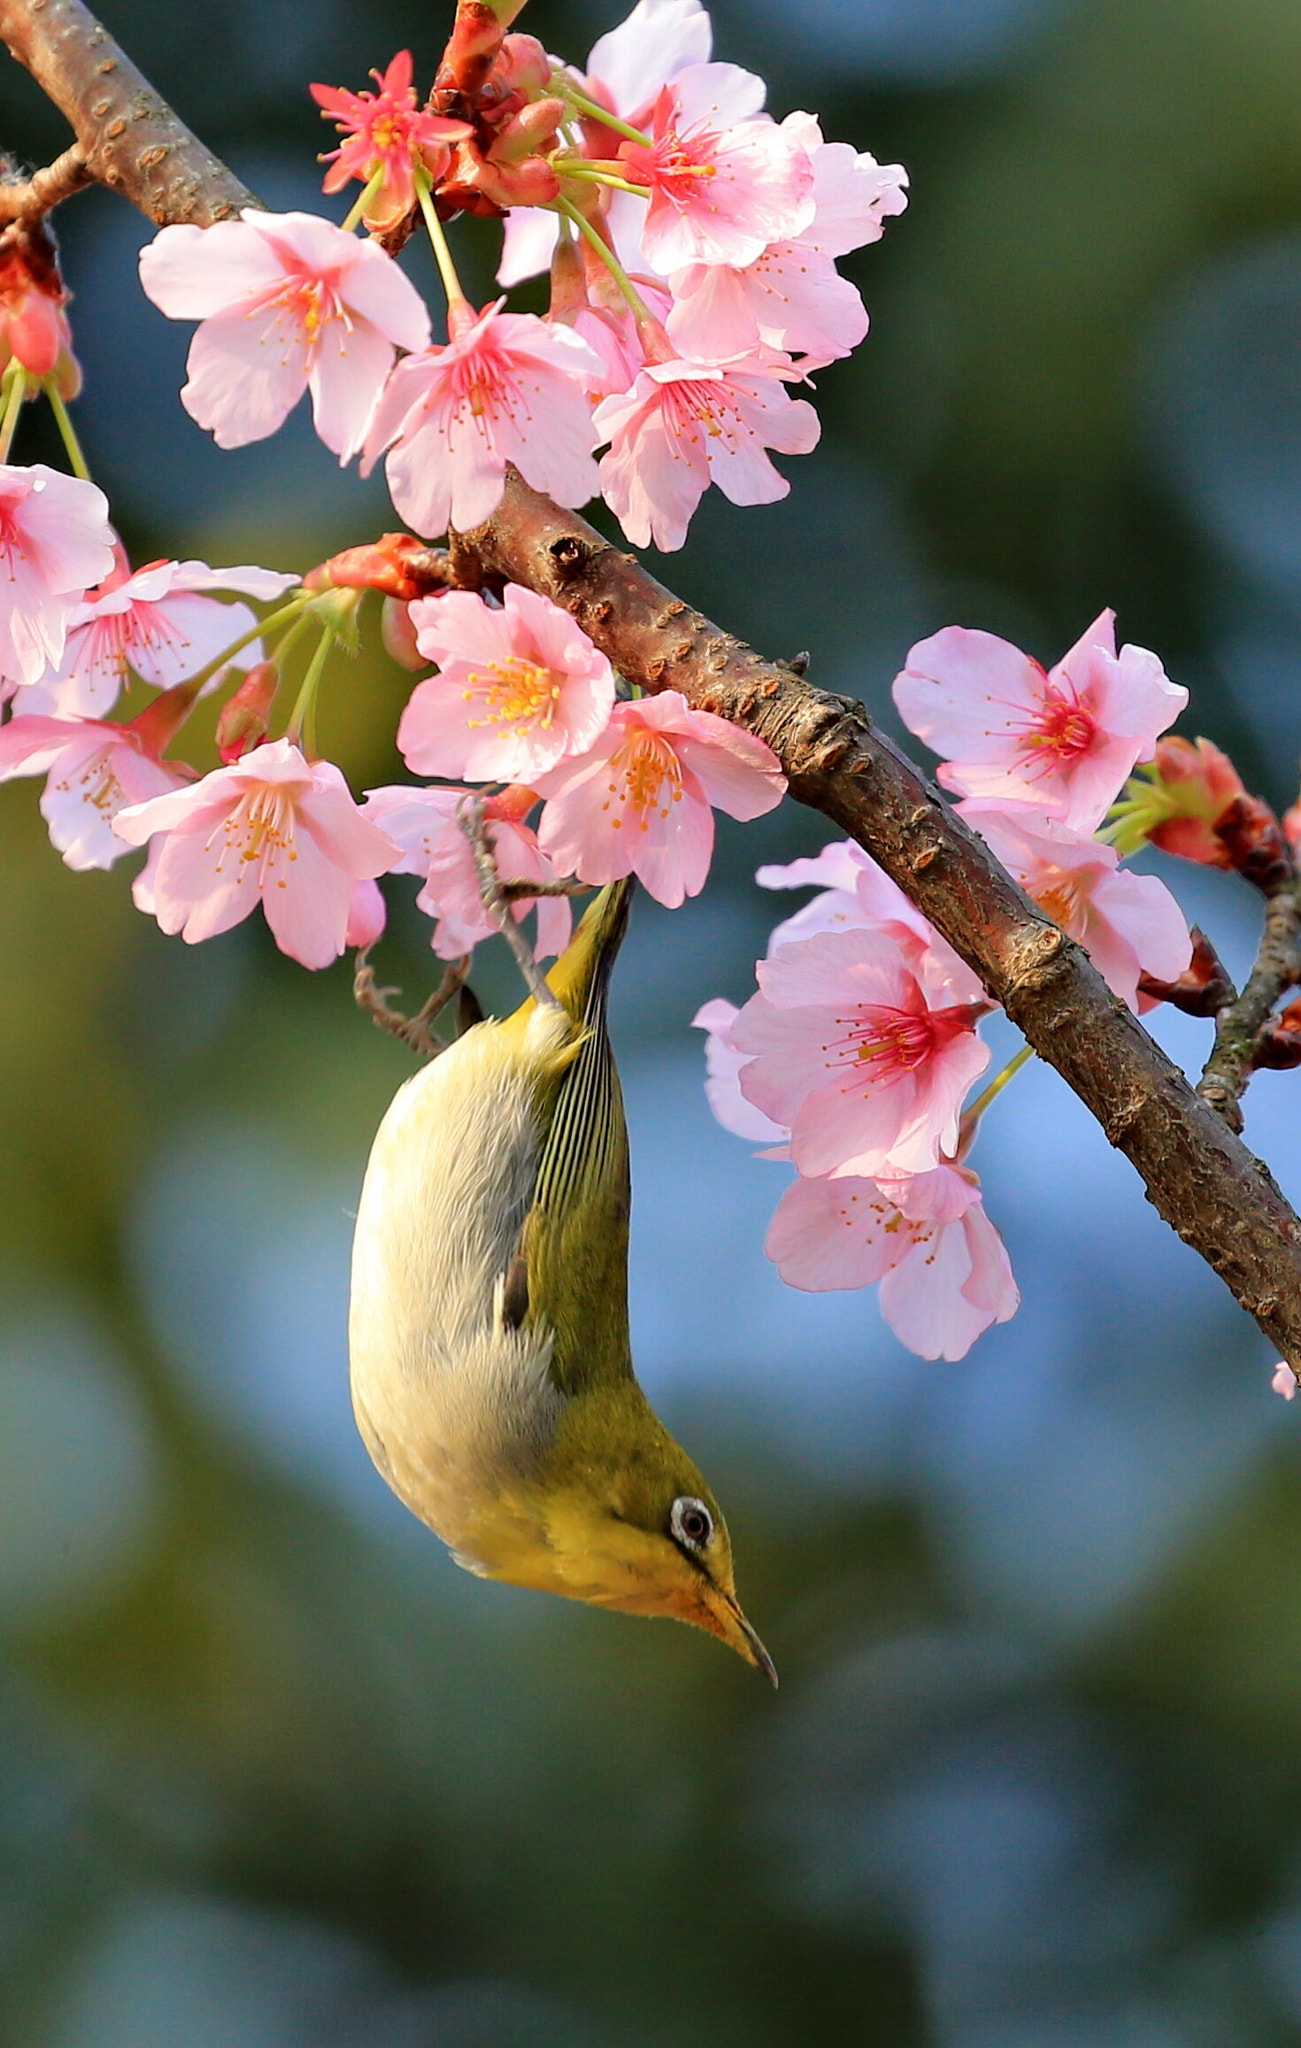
(691, 1522)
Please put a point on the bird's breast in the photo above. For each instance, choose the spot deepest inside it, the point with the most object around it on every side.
(453, 1402)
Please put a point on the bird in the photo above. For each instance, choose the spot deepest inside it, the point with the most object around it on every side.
(491, 1364)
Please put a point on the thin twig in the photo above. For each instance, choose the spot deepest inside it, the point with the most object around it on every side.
(470, 817)
(29, 199)
(417, 1031)
(1238, 1025)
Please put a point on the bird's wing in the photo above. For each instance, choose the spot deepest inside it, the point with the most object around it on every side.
(571, 1272)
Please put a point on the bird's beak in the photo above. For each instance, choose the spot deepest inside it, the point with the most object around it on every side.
(723, 1618)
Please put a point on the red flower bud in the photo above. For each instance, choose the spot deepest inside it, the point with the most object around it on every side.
(397, 564)
(1199, 782)
(1253, 841)
(523, 65)
(246, 718)
(1279, 1042)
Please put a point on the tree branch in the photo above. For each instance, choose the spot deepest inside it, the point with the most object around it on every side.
(1198, 1174)
(129, 136)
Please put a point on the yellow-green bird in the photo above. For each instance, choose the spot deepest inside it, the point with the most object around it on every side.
(492, 1374)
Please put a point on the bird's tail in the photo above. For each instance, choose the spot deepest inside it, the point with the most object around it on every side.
(581, 976)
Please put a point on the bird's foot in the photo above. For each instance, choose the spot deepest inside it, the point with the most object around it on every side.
(416, 1032)
(497, 897)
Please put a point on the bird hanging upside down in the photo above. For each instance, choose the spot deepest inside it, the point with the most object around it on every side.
(492, 1372)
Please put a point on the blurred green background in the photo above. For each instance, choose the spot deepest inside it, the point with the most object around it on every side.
(273, 1774)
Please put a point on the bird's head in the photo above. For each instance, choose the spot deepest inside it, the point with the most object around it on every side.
(621, 1517)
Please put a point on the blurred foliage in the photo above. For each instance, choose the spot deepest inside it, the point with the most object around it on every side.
(273, 1772)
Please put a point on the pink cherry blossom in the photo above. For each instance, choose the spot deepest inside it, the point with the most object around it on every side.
(638, 802)
(506, 388)
(288, 303)
(850, 1054)
(424, 823)
(55, 541)
(723, 1064)
(276, 829)
(1130, 924)
(628, 67)
(856, 891)
(159, 624)
(387, 131)
(791, 296)
(92, 772)
(1064, 740)
(724, 179)
(944, 1272)
(853, 194)
(519, 687)
(626, 70)
(686, 424)
(1284, 1381)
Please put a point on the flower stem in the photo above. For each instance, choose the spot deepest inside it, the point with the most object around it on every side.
(442, 253)
(563, 90)
(302, 719)
(607, 256)
(568, 168)
(13, 406)
(286, 614)
(63, 420)
(357, 211)
(974, 1111)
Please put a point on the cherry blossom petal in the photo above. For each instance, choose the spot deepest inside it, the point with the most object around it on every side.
(347, 371)
(656, 41)
(245, 374)
(723, 1064)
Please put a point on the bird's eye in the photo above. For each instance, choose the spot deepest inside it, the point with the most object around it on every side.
(691, 1522)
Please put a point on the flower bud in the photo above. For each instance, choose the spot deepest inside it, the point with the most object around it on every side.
(246, 717)
(35, 330)
(1279, 1041)
(1194, 783)
(523, 65)
(528, 133)
(1253, 841)
(397, 564)
(366, 915)
(399, 635)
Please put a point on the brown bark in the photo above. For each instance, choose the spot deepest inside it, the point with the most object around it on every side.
(131, 139)
(1239, 1024)
(1198, 1174)
(29, 199)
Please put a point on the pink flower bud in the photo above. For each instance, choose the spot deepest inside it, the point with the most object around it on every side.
(523, 65)
(245, 719)
(399, 635)
(366, 914)
(531, 130)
